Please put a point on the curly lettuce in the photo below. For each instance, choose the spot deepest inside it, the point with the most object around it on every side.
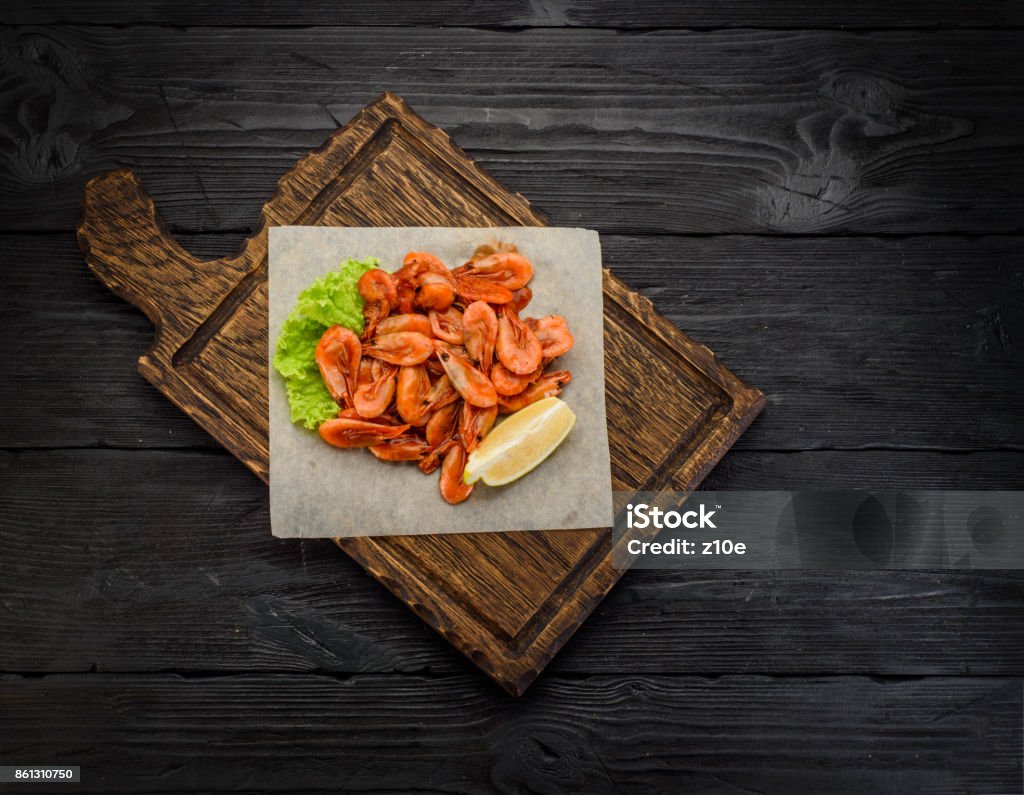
(331, 299)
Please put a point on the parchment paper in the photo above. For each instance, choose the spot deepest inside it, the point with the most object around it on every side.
(319, 491)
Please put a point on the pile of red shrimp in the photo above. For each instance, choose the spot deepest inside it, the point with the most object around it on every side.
(442, 353)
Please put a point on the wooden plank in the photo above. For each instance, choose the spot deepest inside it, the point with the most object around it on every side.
(388, 167)
(790, 14)
(887, 326)
(867, 469)
(732, 131)
(71, 351)
(396, 734)
(842, 332)
(155, 569)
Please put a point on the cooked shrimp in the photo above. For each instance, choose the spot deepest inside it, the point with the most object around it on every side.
(553, 333)
(440, 394)
(480, 333)
(432, 460)
(435, 291)
(404, 347)
(548, 385)
(441, 425)
(407, 447)
(415, 264)
(379, 296)
(376, 389)
(397, 323)
(508, 383)
(447, 325)
(411, 394)
(337, 355)
(470, 383)
(521, 297)
(474, 424)
(518, 347)
(421, 261)
(345, 432)
(473, 288)
(509, 269)
(383, 419)
(453, 489)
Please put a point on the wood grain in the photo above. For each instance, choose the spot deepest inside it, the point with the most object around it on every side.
(868, 469)
(791, 14)
(507, 601)
(211, 119)
(939, 735)
(646, 132)
(886, 326)
(155, 569)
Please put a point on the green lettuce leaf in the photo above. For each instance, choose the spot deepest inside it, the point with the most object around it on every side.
(297, 345)
(309, 400)
(331, 299)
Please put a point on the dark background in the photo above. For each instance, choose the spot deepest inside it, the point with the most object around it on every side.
(829, 197)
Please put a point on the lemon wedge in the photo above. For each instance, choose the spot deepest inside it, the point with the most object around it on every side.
(520, 443)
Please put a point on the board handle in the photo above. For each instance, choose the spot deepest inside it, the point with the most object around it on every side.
(129, 248)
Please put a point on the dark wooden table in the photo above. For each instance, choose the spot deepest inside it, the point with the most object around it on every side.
(831, 199)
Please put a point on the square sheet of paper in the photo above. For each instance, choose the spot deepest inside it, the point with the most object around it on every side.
(318, 491)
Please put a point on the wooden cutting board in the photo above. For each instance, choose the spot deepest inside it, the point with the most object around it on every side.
(508, 601)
